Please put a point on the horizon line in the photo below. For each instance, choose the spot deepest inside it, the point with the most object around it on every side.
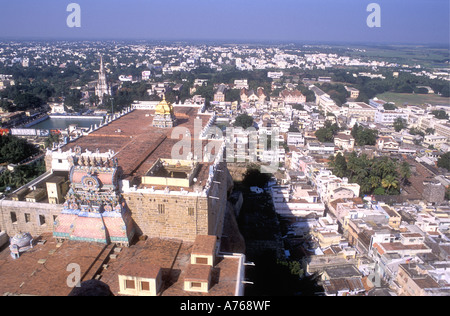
(223, 41)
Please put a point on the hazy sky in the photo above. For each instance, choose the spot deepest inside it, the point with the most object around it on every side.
(402, 21)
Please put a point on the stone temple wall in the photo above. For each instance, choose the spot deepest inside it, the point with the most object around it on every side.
(33, 218)
(181, 216)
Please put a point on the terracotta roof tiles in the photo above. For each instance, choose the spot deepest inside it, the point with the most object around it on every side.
(137, 144)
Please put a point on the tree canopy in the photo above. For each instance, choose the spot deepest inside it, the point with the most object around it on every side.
(440, 114)
(244, 121)
(364, 136)
(14, 149)
(400, 124)
(379, 176)
(21, 175)
(326, 134)
(444, 161)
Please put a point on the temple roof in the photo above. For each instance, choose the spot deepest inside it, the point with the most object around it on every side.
(137, 144)
(164, 107)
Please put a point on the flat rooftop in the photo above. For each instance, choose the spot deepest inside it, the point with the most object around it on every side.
(137, 144)
(42, 271)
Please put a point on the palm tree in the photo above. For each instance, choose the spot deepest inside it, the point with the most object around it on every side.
(405, 172)
(389, 183)
(366, 187)
(19, 178)
(375, 182)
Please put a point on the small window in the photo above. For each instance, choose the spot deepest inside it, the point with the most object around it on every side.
(191, 211)
(130, 284)
(161, 209)
(145, 286)
(196, 285)
(42, 220)
(59, 160)
(13, 217)
(27, 217)
(200, 260)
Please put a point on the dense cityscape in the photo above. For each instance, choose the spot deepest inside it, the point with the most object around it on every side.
(220, 168)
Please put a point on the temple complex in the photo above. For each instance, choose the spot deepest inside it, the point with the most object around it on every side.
(124, 188)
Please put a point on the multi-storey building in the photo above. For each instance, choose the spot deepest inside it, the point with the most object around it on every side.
(362, 110)
(219, 96)
(389, 117)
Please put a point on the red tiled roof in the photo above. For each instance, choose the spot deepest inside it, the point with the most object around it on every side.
(137, 144)
(204, 245)
(89, 228)
(198, 273)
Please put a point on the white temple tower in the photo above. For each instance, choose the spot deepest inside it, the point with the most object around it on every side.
(102, 87)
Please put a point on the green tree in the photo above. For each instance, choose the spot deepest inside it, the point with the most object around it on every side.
(405, 173)
(244, 120)
(20, 178)
(233, 95)
(400, 124)
(389, 107)
(382, 175)
(379, 191)
(440, 114)
(49, 141)
(26, 101)
(6, 105)
(445, 92)
(375, 182)
(444, 161)
(390, 183)
(416, 131)
(14, 149)
(294, 128)
(364, 136)
(73, 99)
(421, 90)
(206, 91)
(326, 134)
(339, 165)
(21, 175)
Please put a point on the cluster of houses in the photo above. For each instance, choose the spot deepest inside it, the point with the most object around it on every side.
(365, 245)
(359, 245)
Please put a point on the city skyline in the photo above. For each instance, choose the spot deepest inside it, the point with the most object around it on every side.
(244, 21)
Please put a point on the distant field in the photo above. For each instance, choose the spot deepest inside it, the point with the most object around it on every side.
(413, 99)
(407, 54)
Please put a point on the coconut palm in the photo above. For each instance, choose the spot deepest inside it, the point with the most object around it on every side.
(375, 182)
(405, 172)
(20, 178)
(390, 183)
